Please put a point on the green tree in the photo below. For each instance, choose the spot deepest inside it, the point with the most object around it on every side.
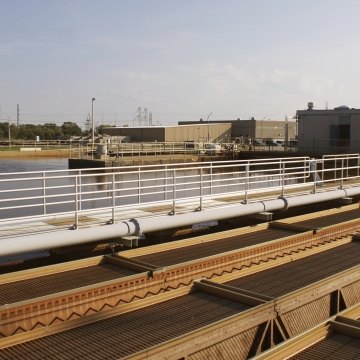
(70, 129)
(4, 131)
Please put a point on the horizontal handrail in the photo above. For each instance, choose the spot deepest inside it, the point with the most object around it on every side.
(110, 190)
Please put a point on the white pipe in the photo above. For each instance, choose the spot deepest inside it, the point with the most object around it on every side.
(51, 240)
(146, 225)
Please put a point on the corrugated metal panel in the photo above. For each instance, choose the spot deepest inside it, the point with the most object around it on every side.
(309, 315)
(128, 333)
(49, 284)
(295, 275)
(335, 347)
(197, 251)
(351, 293)
(236, 347)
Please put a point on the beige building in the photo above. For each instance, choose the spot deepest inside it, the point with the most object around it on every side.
(213, 132)
(329, 131)
(257, 129)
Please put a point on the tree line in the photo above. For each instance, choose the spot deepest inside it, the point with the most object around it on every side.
(47, 131)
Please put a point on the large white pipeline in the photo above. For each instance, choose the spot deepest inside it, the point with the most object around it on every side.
(51, 240)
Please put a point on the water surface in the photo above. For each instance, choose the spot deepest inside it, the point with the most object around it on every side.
(18, 165)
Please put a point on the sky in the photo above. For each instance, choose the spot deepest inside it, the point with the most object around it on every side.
(180, 59)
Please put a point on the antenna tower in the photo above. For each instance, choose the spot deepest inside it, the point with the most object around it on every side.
(150, 118)
(142, 117)
(145, 117)
(88, 123)
(138, 116)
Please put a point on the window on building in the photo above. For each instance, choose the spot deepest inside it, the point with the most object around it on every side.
(340, 133)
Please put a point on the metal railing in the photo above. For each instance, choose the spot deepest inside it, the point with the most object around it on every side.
(126, 150)
(105, 193)
(121, 150)
(330, 146)
(86, 150)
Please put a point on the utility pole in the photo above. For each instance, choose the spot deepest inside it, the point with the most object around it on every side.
(9, 131)
(17, 115)
(92, 121)
(286, 132)
(208, 128)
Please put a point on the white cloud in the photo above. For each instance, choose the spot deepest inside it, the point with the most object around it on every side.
(230, 88)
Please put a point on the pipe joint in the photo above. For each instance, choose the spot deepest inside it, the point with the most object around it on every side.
(130, 227)
(264, 205)
(286, 203)
(134, 223)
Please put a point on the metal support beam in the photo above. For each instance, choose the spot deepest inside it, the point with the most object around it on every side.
(294, 227)
(263, 216)
(346, 200)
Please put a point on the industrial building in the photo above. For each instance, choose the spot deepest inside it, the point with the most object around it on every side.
(329, 131)
(257, 129)
(201, 132)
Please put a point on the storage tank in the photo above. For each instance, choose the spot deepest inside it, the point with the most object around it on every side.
(101, 149)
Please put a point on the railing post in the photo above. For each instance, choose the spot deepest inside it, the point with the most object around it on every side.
(247, 168)
(44, 192)
(347, 167)
(280, 173)
(173, 212)
(76, 225)
(79, 191)
(313, 171)
(165, 187)
(283, 179)
(139, 185)
(113, 200)
(211, 179)
(201, 189)
(342, 174)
